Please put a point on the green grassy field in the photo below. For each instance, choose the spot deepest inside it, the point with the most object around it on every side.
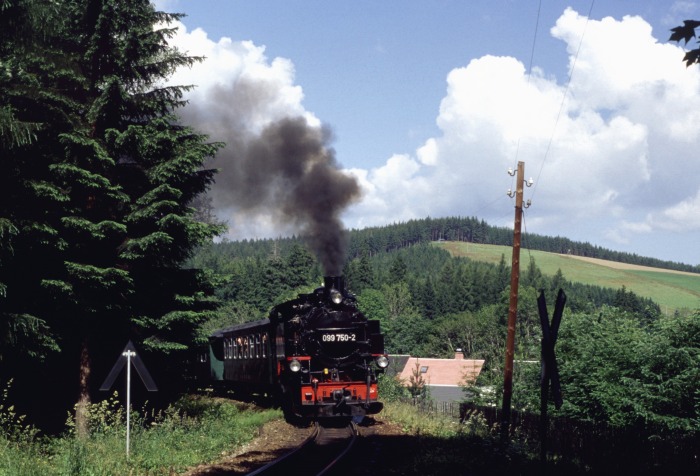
(671, 290)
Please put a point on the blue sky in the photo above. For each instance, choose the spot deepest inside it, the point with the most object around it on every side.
(431, 102)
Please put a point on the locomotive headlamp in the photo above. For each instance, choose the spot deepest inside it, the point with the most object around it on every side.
(336, 296)
(295, 365)
(382, 361)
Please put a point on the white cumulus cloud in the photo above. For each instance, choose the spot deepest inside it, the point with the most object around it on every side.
(609, 151)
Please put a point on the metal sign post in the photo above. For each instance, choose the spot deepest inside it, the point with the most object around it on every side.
(128, 354)
(131, 357)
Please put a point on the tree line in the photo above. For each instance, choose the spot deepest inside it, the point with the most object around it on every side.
(475, 230)
(373, 240)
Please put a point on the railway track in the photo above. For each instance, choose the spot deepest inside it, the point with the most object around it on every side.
(321, 454)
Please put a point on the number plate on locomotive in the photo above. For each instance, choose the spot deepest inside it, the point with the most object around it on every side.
(338, 337)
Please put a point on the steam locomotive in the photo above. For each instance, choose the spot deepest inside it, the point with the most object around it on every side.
(317, 355)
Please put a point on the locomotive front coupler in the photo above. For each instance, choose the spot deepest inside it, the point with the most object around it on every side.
(341, 396)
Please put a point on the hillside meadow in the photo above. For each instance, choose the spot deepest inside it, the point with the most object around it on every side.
(672, 290)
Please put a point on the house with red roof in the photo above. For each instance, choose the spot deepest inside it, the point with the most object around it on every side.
(445, 378)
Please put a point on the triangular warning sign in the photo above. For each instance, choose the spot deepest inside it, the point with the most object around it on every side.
(129, 355)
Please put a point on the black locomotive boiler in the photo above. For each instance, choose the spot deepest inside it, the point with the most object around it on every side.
(318, 355)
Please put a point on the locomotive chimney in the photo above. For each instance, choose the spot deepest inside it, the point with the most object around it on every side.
(334, 282)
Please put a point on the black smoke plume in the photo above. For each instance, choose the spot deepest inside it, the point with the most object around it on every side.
(290, 171)
(287, 172)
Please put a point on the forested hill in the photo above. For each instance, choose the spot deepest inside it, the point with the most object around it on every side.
(473, 230)
(400, 235)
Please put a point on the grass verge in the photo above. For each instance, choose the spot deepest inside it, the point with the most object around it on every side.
(193, 431)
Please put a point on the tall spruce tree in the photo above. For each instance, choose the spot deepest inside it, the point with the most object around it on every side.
(114, 182)
(31, 111)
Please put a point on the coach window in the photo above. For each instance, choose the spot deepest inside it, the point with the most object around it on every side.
(227, 348)
(264, 345)
(239, 343)
(234, 348)
(246, 348)
(251, 343)
(257, 346)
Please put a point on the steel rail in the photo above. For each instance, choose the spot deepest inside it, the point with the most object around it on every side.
(347, 449)
(317, 442)
(312, 437)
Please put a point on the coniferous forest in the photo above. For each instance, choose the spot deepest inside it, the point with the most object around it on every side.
(101, 243)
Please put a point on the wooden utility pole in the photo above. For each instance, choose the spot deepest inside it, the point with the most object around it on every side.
(513, 307)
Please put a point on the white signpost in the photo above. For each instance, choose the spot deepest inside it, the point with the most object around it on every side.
(131, 357)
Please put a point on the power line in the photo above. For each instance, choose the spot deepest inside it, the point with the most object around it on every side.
(563, 99)
(529, 71)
